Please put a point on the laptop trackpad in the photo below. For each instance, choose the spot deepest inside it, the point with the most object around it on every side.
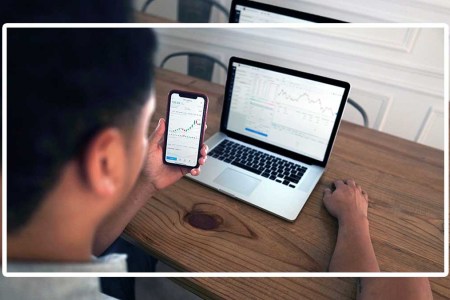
(237, 181)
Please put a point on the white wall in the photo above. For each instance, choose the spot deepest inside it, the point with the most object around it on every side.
(396, 74)
(346, 10)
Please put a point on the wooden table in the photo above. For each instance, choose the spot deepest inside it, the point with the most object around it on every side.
(406, 190)
(141, 17)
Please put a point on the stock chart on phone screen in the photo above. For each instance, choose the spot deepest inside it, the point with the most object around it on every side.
(184, 128)
(294, 113)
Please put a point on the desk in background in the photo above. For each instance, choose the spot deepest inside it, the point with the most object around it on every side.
(404, 180)
(141, 17)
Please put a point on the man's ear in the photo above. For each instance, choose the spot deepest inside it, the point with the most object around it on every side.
(104, 162)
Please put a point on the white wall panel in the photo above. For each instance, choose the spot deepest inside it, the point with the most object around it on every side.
(375, 105)
(396, 74)
(348, 10)
(373, 10)
(432, 131)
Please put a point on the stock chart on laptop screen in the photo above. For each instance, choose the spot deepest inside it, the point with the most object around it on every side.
(287, 111)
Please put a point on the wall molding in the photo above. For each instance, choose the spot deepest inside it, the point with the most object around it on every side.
(289, 41)
(441, 6)
(381, 60)
(342, 8)
(292, 48)
(410, 39)
(404, 45)
(376, 105)
(383, 90)
(434, 113)
(376, 10)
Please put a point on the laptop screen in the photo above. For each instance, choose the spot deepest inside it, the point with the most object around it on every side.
(246, 14)
(295, 112)
(245, 11)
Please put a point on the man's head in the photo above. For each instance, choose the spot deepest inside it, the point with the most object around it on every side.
(70, 11)
(78, 112)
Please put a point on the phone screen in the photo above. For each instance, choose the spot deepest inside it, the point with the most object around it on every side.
(184, 129)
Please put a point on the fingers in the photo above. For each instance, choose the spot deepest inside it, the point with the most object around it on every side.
(204, 128)
(333, 187)
(204, 150)
(202, 160)
(366, 196)
(326, 199)
(350, 182)
(195, 172)
(339, 183)
(158, 134)
(326, 192)
(204, 154)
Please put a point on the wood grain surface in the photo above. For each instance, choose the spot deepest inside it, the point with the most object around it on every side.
(288, 288)
(141, 17)
(404, 181)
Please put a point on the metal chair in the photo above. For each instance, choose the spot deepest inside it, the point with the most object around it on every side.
(199, 65)
(146, 4)
(194, 11)
(361, 110)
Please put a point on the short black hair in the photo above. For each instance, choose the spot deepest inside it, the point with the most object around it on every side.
(63, 86)
(68, 11)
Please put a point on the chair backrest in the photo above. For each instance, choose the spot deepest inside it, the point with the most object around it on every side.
(198, 11)
(360, 110)
(146, 4)
(202, 66)
(199, 65)
(194, 11)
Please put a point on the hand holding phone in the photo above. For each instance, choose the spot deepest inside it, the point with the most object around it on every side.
(186, 119)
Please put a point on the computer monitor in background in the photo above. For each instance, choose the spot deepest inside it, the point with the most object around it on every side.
(245, 11)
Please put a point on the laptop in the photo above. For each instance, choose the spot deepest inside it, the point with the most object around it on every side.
(245, 11)
(277, 130)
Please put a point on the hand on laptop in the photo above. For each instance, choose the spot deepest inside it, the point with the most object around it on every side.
(348, 202)
(155, 171)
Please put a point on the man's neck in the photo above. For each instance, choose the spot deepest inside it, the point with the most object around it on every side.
(63, 227)
(53, 237)
(42, 245)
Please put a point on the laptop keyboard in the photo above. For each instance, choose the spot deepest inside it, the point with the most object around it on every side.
(258, 162)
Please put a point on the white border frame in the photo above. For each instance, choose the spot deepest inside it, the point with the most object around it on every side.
(233, 274)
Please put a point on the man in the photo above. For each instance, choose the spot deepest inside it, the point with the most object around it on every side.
(79, 103)
(80, 161)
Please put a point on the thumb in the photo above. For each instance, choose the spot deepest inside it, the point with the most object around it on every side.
(326, 194)
(158, 134)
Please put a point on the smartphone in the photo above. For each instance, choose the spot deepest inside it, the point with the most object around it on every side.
(186, 119)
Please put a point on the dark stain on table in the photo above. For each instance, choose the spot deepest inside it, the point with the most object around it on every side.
(203, 221)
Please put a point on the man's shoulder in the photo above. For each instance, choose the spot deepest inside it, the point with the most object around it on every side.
(59, 287)
(50, 288)
(108, 263)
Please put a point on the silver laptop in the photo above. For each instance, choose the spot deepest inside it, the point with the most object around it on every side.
(247, 11)
(277, 131)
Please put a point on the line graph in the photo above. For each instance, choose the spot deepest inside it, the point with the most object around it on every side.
(184, 130)
(187, 129)
(303, 93)
(305, 99)
(290, 111)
